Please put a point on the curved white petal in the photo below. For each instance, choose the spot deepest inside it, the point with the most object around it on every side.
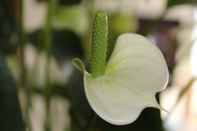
(135, 72)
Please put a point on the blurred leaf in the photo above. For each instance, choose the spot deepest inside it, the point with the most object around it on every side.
(177, 2)
(65, 2)
(74, 18)
(8, 29)
(10, 113)
(69, 2)
(66, 43)
(149, 120)
(122, 23)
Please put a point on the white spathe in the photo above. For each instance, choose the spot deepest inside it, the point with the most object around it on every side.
(135, 72)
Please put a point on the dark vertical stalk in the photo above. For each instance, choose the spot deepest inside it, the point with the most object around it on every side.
(48, 44)
(23, 73)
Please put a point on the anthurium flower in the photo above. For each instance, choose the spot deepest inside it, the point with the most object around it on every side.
(134, 73)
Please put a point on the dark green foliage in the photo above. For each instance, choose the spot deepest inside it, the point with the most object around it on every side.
(149, 120)
(177, 2)
(8, 28)
(80, 111)
(69, 2)
(66, 44)
(10, 113)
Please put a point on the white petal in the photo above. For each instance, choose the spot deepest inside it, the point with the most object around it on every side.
(135, 72)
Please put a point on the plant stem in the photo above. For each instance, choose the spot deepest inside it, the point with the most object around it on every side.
(48, 44)
(99, 44)
(23, 72)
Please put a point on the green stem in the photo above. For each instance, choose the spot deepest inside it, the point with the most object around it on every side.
(48, 44)
(99, 44)
(23, 72)
(21, 48)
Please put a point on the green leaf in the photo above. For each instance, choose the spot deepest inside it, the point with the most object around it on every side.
(74, 18)
(135, 72)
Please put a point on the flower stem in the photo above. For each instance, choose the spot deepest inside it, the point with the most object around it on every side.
(48, 44)
(99, 44)
(23, 72)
